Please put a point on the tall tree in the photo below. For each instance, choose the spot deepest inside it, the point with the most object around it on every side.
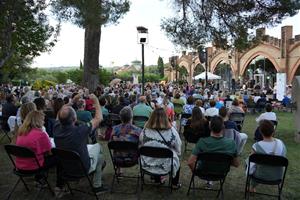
(91, 15)
(160, 65)
(25, 31)
(223, 22)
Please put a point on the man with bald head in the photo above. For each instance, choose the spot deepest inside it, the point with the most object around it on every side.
(142, 109)
(70, 137)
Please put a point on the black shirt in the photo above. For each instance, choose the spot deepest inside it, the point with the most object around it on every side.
(74, 138)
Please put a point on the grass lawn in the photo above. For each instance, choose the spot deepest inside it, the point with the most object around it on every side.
(233, 187)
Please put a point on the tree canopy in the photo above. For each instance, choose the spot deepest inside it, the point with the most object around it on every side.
(223, 22)
(91, 15)
(25, 31)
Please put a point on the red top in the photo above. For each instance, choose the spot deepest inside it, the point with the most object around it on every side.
(37, 141)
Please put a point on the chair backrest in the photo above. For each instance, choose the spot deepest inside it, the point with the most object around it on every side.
(228, 103)
(125, 153)
(70, 163)
(140, 119)
(275, 123)
(185, 115)
(270, 160)
(4, 124)
(122, 145)
(114, 118)
(20, 152)
(190, 135)
(213, 165)
(237, 117)
(155, 152)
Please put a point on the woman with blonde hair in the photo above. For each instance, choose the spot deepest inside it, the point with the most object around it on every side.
(158, 132)
(31, 135)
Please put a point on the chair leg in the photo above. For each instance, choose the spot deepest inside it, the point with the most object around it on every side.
(246, 187)
(171, 182)
(192, 181)
(221, 189)
(112, 183)
(49, 186)
(185, 144)
(91, 185)
(10, 193)
(70, 188)
(24, 183)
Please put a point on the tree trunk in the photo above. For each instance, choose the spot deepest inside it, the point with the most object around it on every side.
(91, 56)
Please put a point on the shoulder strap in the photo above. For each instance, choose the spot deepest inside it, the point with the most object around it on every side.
(162, 137)
(274, 147)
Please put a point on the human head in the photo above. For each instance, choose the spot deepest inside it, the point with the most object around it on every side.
(67, 115)
(34, 119)
(81, 104)
(190, 100)
(199, 103)
(40, 103)
(269, 107)
(197, 114)
(177, 96)
(223, 112)
(25, 99)
(216, 124)
(10, 98)
(25, 109)
(266, 128)
(126, 115)
(142, 99)
(102, 101)
(158, 120)
(212, 103)
(235, 102)
(57, 104)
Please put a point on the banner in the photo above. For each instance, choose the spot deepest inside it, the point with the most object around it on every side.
(280, 86)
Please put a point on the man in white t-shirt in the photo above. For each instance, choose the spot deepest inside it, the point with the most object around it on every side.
(268, 115)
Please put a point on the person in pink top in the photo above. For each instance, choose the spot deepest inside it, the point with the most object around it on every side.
(31, 135)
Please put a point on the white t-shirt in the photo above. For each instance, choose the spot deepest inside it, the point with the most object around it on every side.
(211, 112)
(269, 147)
(267, 116)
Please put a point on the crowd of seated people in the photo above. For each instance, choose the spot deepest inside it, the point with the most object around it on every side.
(71, 115)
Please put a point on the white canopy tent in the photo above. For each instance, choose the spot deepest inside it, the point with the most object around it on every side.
(210, 76)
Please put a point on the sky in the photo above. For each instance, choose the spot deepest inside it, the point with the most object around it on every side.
(119, 42)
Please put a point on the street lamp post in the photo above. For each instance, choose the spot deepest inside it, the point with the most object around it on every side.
(142, 39)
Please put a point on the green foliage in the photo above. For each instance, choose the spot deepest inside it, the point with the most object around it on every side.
(24, 31)
(75, 75)
(105, 76)
(222, 22)
(160, 66)
(60, 76)
(42, 84)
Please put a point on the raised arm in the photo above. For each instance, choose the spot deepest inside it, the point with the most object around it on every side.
(98, 112)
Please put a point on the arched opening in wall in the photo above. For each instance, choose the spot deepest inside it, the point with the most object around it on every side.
(297, 73)
(260, 74)
(183, 74)
(224, 70)
(198, 69)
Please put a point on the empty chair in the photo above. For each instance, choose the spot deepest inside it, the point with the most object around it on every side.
(25, 153)
(267, 164)
(211, 167)
(114, 119)
(124, 154)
